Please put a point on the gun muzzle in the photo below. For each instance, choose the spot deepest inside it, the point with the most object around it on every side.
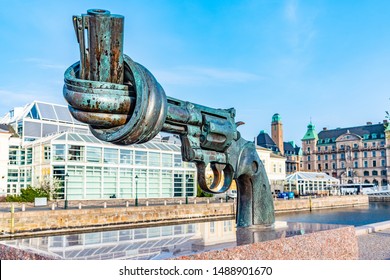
(119, 98)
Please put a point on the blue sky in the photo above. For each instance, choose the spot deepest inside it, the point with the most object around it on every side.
(328, 61)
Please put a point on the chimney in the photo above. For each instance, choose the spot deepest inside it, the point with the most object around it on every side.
(369, 123)
(325, 128)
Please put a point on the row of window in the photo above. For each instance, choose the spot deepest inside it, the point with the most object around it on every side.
(342, 156)
(347, 137)
(61, 152)
(344, 147)
(93, 182)
(342, 165)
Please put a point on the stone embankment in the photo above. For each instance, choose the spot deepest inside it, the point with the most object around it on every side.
(40, 220)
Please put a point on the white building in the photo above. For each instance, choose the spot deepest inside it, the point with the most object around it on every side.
(53, 144)
(274, 166)
(303, 183)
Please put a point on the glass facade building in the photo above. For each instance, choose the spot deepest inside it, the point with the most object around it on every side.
(87, 168)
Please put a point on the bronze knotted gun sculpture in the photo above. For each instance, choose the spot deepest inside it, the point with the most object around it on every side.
(124, 104)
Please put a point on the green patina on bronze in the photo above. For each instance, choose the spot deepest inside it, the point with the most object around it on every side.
(124, 104)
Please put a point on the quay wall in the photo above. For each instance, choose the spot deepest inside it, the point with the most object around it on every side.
(320, 203)
(33, 221)
(72, 219)
(379, 198)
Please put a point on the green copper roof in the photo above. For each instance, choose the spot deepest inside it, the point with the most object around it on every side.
(276, 118)
(387, 127)
(310, 133)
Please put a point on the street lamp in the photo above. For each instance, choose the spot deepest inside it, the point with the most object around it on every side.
(66, 191)
(136, 190)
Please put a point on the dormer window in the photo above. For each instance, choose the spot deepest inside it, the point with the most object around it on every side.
(366, 136)
(374, 136)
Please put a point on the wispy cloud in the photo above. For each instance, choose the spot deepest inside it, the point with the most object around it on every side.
(291, 11)
(301, 29)
(204, 75)
(44, 63)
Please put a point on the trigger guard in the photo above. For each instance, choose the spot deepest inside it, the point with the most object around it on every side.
(228, 178)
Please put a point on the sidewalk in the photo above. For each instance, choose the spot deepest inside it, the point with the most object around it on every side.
(374, 241)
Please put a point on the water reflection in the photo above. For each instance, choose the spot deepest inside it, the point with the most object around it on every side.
(158, 242)
(361, 215)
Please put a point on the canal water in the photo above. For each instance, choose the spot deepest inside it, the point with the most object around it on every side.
(361, 215)
(173, 241)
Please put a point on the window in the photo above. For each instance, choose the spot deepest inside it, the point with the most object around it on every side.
(355, 146)
(94, 154)
(374, 173)
(374, 144)
(308, 167)
(318, 157)
(383, 172)
(326, 157)
(126, 156)
(373, 153)
(342, 156)
(383, 153)
(29, 155)
(365, 145)
(46, 153)
(76, 153)
(308, 158)
(154, 159)
(326, 166)
(366, 173)
(319, 149)
(333, 165)
(167, 160)
(110, 155)
(319, 167)
(383, 162)
(355, 154)
(374, 163)
(13, 155)
(365, 163)
(364, 154)
(374, 136)
(333, 156)
(140, 158)
(178, 161)
(59, 152)
(356, 164)
(342, 165)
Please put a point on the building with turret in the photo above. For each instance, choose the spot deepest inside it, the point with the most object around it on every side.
(276, 143)
(355, 155)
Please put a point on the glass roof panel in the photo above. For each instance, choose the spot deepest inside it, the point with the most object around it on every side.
(47, 111)
(63, 114)
(76, 136)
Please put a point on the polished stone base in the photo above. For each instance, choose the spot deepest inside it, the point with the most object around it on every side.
(289, 241)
